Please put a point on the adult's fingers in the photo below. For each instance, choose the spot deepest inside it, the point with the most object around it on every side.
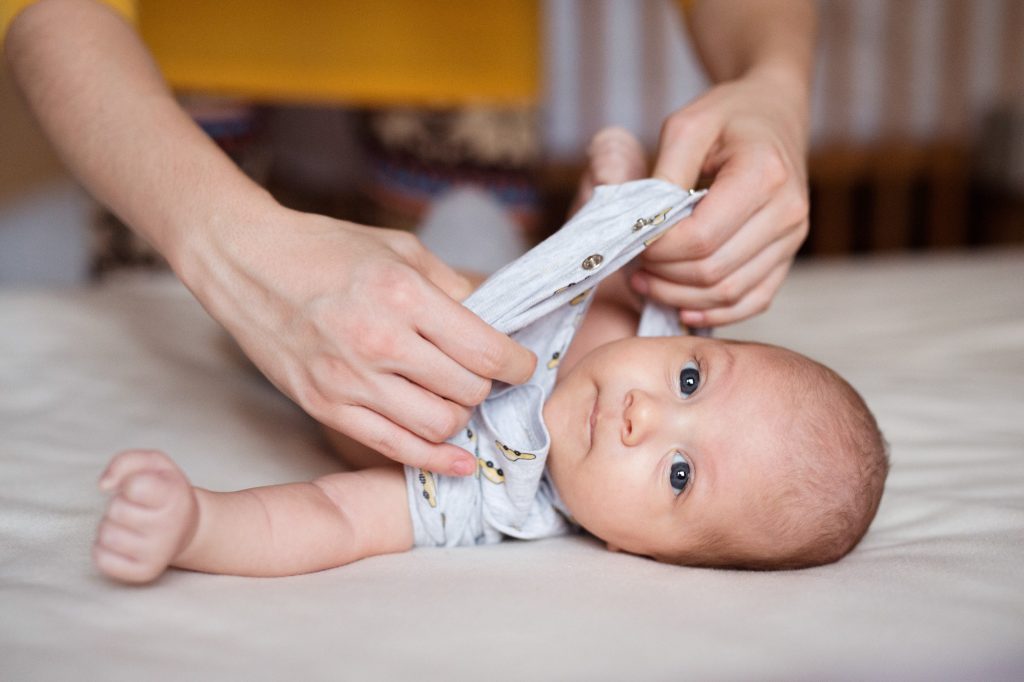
(755, 302)
(438, 272)
(394, 442)
(427, 366)
(683, 148)
(776, 221)
(473, 343)
(418, 410)
(742, 187)
(727, 292)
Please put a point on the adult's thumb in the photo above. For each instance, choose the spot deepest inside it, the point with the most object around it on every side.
(682, 150)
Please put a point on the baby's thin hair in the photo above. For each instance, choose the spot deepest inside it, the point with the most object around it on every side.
(842, 464)
(831, 490)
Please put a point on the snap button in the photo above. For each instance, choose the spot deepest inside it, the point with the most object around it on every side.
(592, 261)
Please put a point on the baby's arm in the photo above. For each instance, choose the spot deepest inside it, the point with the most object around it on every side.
(613, 315)
(157, 519)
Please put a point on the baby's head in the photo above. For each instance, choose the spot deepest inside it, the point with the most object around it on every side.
(715, 453)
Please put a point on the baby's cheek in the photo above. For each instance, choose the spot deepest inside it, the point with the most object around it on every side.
(612, 503)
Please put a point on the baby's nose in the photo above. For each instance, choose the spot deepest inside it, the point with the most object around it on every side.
(639, 417)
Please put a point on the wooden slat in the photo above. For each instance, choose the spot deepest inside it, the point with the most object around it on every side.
(894, 168)
(899, 50)
(948, 168)
(837, 28)
(892, 172)
(591, 67)
(1011, 62)
(835, 172)
(955, 67)
(655, 67)
(948, 181)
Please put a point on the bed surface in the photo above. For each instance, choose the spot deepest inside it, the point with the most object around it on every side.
(936, 589)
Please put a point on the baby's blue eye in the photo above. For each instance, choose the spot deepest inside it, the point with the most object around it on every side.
(689, 379)
(679, 473)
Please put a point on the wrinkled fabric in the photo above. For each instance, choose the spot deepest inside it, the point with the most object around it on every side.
(539, 299)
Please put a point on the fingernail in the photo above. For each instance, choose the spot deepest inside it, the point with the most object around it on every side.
(462, 467)
(639, 283)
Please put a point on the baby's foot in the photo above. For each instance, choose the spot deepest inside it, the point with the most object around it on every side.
(151, 517)
(614, 156)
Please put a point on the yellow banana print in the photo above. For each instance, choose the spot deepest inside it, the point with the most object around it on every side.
(580, 298)
(513, 455)
(491, 473)
(429, 487)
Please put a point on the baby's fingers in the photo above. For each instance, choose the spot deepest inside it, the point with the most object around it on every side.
(129, 462)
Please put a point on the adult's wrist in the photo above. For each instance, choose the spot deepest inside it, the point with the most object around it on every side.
(207, 244)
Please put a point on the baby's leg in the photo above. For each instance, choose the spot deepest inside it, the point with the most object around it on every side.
(150, 519)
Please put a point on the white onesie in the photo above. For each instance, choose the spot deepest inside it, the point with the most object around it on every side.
(539, 299)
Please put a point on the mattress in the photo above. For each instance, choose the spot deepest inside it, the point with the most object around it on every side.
(935, 344)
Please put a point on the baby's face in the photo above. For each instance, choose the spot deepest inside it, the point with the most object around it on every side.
(656, 442)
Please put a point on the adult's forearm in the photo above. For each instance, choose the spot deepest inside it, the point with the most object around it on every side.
(736, 37)
(105, 107)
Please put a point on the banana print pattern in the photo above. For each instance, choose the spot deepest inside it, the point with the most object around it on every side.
(491, 473)
(556, 358)
(580, 298)
(429, 487)
(513, 455)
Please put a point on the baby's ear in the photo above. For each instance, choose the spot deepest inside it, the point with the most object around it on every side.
(613, 548)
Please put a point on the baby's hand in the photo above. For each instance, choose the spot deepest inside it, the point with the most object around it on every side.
(151, 517)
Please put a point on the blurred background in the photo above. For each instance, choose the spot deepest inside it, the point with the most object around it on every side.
(370, 111)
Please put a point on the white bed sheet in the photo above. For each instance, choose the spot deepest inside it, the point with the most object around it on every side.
(936, 345)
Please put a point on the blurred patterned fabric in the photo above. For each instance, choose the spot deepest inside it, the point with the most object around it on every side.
(417, 155)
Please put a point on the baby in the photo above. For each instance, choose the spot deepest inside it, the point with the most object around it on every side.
(685, 449)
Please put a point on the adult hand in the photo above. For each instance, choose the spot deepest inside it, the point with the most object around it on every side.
(362, 328)
(726, 261)
(357, 325)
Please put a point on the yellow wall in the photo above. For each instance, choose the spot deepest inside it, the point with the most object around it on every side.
(351, 51)
(431, 52)
(8, 8)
